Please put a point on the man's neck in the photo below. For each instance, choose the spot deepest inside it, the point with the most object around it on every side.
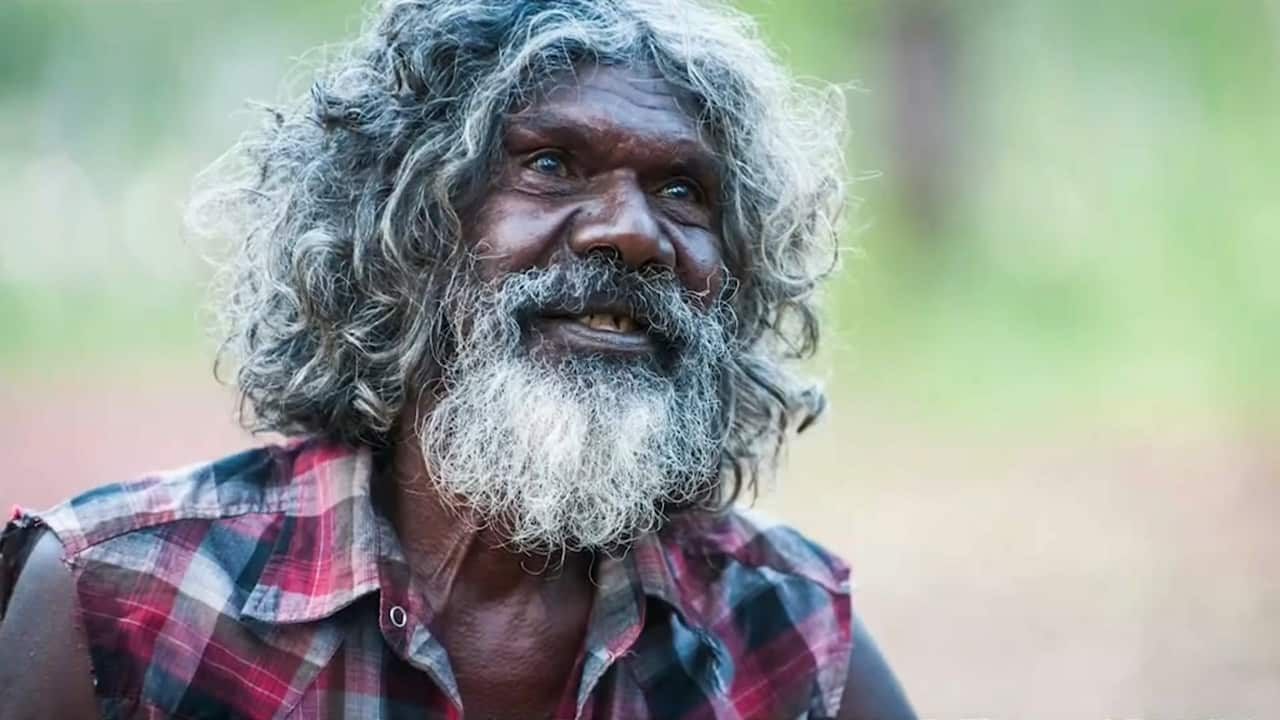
(512, 624)
(457, 560)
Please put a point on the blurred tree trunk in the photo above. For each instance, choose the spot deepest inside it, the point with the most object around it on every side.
(922, 75)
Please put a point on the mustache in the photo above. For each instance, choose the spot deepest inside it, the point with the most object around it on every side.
(655, 299)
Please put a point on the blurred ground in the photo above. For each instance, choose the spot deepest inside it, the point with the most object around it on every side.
(1026, 573)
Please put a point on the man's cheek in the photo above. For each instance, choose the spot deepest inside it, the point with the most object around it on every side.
(512, 233)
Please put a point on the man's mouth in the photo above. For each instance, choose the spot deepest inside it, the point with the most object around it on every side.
(597, 331)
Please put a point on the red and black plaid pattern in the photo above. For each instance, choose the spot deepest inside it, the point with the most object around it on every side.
(267, 585)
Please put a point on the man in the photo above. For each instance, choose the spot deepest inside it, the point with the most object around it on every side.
(520, 277)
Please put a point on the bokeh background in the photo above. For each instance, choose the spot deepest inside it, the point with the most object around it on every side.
(1053, 455)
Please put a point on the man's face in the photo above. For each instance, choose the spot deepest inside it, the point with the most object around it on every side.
(583, 395)
(606, 160)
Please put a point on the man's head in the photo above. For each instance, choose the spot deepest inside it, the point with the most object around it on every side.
(566, 243)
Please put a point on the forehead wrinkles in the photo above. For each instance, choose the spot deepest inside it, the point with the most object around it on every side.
(642, 87)
(631, 98)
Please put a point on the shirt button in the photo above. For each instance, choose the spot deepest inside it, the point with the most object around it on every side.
(398, 616)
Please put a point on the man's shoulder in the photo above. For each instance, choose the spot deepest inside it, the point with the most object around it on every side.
(778, 602)
(267, 480)
(756, 543)
(251, 481)
(175, 573)
(740, 571)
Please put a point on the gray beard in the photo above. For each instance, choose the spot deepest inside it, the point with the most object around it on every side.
(573, 452)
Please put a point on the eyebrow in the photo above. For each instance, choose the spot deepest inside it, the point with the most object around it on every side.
(692, 156)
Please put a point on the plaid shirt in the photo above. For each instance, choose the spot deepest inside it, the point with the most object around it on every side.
(266, 585)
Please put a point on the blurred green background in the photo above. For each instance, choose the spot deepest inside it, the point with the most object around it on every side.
(1063, 205)
(1058, 317)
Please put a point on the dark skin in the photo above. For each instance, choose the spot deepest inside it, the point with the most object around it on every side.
(607, 160)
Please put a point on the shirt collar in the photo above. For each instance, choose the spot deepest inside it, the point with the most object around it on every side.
(651, 568)
(324, 555)
(334, 548)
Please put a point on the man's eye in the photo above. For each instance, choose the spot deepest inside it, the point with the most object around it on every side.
(681, 190)
(549, 163)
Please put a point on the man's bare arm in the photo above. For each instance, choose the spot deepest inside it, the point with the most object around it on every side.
(871, 692)
(45, 671)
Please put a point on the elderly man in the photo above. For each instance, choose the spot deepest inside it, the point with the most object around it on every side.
(519, 278)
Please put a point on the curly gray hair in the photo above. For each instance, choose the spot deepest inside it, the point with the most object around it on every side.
(347, 206)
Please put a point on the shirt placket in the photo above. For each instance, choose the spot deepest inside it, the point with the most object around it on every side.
(404, 620)
(617, 618)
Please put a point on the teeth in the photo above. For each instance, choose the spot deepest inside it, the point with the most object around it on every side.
(608, 322)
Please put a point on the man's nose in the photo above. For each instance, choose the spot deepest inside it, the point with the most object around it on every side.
(622, 220)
